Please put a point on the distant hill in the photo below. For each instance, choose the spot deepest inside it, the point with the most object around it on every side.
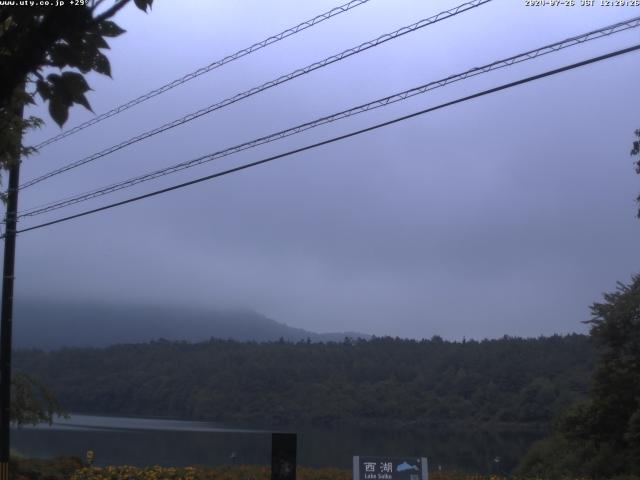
(49, 325)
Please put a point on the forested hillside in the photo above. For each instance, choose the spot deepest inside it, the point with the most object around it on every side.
(505, 382)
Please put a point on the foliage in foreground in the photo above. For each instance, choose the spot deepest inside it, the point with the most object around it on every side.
(38, 40)
(32, 402)
(61, 468)
(69, 468)
(600, 437)
(240, 472)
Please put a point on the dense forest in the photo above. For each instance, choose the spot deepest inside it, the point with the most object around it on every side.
(509, 382)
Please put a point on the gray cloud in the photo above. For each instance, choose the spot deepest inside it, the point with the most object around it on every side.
(509, 214)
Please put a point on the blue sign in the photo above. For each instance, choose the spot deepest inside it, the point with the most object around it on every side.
(390, 468)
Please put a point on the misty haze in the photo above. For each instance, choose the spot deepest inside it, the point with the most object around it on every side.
(284, 239)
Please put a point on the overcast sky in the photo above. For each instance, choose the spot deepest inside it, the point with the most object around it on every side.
(508, 214)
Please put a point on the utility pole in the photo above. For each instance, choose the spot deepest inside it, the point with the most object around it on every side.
(6, 321)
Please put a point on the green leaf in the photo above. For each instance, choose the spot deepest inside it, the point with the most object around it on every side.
(65, 90)
(143, 4)
(101, 64)
(82, 100)
(58, 111)
(85, 59)
(76, 86)
(59, 92)
(43, 89)
(62, 55)
(107, 28)
(75, 82)
(97, 40)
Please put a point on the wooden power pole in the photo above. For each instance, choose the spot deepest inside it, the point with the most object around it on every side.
(6, 321)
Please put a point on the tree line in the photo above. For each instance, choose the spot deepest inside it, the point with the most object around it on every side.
(599, 437)
(381, 381)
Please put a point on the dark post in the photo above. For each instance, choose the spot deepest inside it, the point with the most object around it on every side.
(7, 314)
(283, 456)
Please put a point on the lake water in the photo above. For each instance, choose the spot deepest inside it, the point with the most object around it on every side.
(140, 441)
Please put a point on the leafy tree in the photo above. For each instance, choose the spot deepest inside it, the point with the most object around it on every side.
(635, 151)
(611, 420)
(32, 402)
(616, 327)
(600, 437)
(47, 50)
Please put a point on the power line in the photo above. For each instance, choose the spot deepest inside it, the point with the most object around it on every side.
(529, 55)
(201, 71)
(341, 137)
(272, 83)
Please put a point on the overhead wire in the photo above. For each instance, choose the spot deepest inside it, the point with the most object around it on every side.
(340, 137)
(206, 69)
(521, 57)
(272, 83)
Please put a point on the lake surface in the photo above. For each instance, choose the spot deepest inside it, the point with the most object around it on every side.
(141, 441)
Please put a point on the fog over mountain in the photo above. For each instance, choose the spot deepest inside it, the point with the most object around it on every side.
(509, 214)
(47, 324)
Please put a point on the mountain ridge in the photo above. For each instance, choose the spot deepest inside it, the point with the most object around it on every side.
(52, 324)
